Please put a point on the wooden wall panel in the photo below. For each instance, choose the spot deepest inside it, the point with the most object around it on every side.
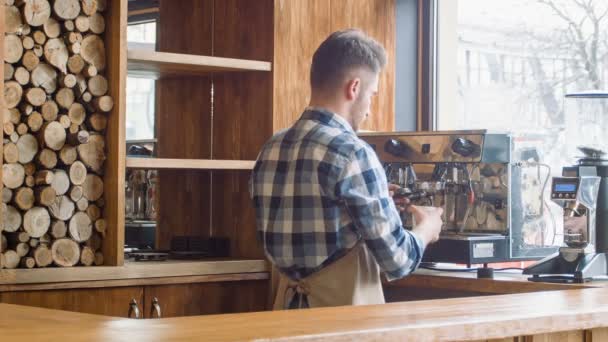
(300, 27)
(376, 18)
(566, 336)
(242, 116)
(2, 108)
(114, 178)
(183, 117)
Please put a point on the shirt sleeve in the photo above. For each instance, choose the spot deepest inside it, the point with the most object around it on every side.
(363, 189)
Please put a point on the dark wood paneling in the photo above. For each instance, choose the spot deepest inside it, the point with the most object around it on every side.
(206, 298)
(108, 301)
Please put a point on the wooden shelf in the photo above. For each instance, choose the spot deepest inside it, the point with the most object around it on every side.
(192, 164)
(156, 64)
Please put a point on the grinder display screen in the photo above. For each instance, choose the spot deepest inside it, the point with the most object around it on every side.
(564, 187)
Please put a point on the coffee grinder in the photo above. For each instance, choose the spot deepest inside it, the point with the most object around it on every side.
(582, 192)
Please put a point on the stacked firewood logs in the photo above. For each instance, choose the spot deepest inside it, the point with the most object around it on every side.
(56, 106)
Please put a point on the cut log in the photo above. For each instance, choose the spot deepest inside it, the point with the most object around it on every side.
(13, 48)
(97, 23)
(76, 193)
(27, 262)
(45, 196)
(12, 218)
(97, 122)
(28, 147)
(30, 61)
(93, 51)
(8, 128)
(27, 42)
(82, 204)
(47, 158)
(61, 182)
(68, 81)
(98, 85)
(29, 169)
(17, 237)
(64, 121)
(7, 195)
(82, 23)
(75, 48)
(76, 64)
(49, 110)
(36, 12)
(12, 94)
(73, 129)
(11, 153)
(65, 97)
(11, 259)
(90, 71)
(101, 226)
(94, 242)
(66, 9)
(22, 249)
(45, 76)
(8, 71)
(94, 212)
(22, 76)
(103, 103)
(68, 155)
(14, 137)
(14, 116)
(80, 137)
(81, 85)
(29, 181)
(46, 239)
(89, 7)
(80, 227)
(52, 28)
(44, 177)
(78, 173)
(87, 97)
(43, 256)
(36, 222)
(26, 109)
(62, 209)
(92, 187)
(34, 242)
(12, 175)
(92, 153)
(21, 129)
(56, 53)
(24, 198)
(66, 252)
(98, 258)
(38, 50)
(58, 229)
(74, 37)
(69, 25)
(87, 256)
(35, 121)
(77, 113)
(39, 37)
(53, 135)
(101, 5)
(12, 20)
(35, 96)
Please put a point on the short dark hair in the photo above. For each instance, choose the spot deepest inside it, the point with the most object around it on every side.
(341, 52)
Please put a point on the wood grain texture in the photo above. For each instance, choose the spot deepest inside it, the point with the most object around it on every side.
(562, 313)
(184, 207)
(2, 110)
(114, 179)
(377, 19)
(107, 302)
(197, 164)
(205, 299)
(300, 27)
(568, 336)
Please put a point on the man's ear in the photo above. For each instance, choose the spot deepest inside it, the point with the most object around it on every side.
(353, 87)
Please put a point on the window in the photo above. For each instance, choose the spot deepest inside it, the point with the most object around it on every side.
(140, 90)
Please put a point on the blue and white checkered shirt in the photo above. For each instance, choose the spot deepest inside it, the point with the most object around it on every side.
(318, 189)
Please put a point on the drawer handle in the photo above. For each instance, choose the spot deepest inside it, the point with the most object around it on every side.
(133, 308)
(155, 308)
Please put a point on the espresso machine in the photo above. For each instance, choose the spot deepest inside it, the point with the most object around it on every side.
(582, 192)
(493, 210)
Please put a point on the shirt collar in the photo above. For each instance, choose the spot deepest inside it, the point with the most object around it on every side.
(327, 118)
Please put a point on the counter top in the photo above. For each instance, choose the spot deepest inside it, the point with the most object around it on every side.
(464, 319)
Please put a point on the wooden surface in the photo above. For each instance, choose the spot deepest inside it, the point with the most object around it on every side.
(114, 179)
(472, 319)
(157, 64)
(2, 110)
(194, 164)
(131, 270)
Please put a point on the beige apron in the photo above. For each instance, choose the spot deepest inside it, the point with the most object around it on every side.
(354, 279)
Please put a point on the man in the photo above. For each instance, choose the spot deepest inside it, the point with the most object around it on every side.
(323, 208)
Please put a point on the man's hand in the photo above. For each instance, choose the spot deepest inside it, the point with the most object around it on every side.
(428, 222)
(400, 202)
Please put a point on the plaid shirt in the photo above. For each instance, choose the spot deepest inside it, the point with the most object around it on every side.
(317, 190)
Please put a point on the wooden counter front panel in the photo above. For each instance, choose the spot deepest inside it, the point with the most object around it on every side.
(106, 301)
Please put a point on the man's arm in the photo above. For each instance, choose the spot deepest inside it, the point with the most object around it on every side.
(363, 189)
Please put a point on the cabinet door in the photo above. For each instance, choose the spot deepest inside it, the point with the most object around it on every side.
(104, 301)
(206, 298)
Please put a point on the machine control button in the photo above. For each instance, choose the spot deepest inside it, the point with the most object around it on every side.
(465, 147)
